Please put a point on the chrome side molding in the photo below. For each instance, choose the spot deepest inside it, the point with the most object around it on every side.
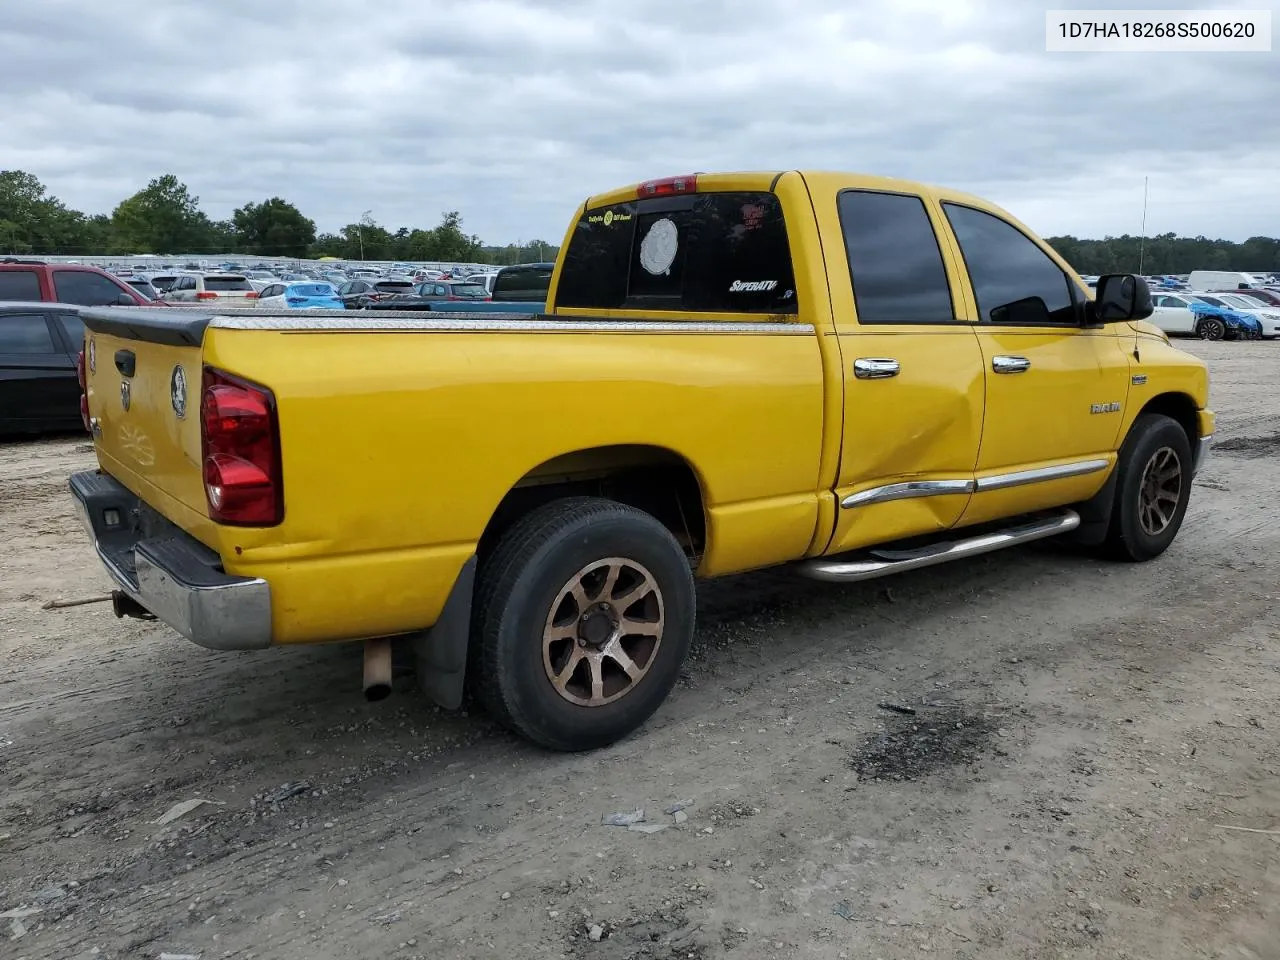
(907, 491)
(940, 488)
(1000, 481)
(875, 563)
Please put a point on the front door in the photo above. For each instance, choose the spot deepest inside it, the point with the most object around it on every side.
(912, 372)
(1055, 390)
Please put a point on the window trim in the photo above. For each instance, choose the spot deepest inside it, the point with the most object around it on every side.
(1074, 294)
(956, 319)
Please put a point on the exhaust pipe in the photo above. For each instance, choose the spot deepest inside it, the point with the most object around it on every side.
(377, 669)
(123, 605)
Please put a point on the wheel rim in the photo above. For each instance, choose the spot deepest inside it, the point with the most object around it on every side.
(603, 632)
(1211, 330)
(1160, 491)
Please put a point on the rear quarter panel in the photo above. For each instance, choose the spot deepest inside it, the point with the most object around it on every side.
(399, 445)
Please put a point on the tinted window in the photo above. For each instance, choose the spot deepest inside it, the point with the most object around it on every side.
(469, 290)
(25, 333)
(394, 286)
(73, 327)
(1173, 302)
(894, 259)
(226, 284)
(86, 289)
(1014, 280)
(707, 252)
(523, 284)
(19, 285)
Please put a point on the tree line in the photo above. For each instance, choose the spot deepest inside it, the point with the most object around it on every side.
(165, 218)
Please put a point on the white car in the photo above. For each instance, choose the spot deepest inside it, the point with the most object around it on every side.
(234, 289)
(1267, 315)
(1172, 314)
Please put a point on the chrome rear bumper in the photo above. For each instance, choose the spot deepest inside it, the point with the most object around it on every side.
(168, 572)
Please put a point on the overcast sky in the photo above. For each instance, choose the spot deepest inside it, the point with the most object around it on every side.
(511, 111)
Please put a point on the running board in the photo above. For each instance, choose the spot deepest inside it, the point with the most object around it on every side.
(881, 562)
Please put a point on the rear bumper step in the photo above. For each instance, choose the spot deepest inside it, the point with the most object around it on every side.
(169, 573)
(867, 565)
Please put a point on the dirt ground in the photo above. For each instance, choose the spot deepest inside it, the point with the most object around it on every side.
(1090, 746)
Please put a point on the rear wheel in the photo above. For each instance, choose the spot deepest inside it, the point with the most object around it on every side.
(1210, 328)
(584, 616)
(1153, 487)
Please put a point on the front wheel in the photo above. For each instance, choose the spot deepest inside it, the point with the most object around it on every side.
(1211, 328)
(1153, 487)
(584, 616)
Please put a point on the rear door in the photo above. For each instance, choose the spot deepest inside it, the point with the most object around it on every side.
(38, 385)
(912, 370)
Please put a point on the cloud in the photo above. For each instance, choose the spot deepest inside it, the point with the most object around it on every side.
(512, 111)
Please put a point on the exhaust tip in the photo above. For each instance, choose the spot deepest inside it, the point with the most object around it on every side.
(377, 669)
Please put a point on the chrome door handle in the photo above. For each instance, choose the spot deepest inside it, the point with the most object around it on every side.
(1010, 364)
(875, 368)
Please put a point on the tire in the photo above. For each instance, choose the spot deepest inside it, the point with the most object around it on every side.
(1143, 524)
(529, 628)
(1211, 328)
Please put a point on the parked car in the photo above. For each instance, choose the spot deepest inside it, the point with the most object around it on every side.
(525, 282)
(363, 292)
(1267, 296)
(34, 280)
(312, 295)
(484, 279)
(354, 485)
(163, 281)
(1268, 317)
(140, 283)
(39, 387)
(1239, 325)
(233, 289)
(451, 290)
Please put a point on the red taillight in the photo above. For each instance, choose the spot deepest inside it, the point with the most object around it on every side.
(84, 413)
(80, 376)
(206, 295)
(240, 442)
(668, 186)
(251, 296)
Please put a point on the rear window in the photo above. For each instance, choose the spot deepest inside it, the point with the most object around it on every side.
(706, 253)
(393, 286)
(311, 290)
(226, 284)
(523, 284)
(19, 285)
(469, 290)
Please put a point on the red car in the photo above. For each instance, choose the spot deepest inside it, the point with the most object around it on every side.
(34, 281)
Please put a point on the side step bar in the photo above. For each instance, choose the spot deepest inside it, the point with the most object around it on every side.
(881, 562)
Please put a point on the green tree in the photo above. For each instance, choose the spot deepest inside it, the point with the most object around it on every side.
(163, 217)
(273, 228)
(32, 221)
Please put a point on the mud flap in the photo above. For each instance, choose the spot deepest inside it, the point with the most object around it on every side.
(1095, 514)
(440, 654)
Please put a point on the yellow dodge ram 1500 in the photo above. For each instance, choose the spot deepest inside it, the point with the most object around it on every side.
(851, 374)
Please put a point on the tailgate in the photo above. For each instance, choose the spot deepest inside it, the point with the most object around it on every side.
(142, 371)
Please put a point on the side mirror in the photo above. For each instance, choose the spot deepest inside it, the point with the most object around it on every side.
(1121, 297)
(125, 300)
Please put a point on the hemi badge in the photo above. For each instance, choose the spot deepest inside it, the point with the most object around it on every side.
(1139, 379)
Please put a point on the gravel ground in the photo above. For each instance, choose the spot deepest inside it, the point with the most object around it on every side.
(1029, 755)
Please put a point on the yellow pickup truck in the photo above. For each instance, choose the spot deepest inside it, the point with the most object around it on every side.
(849, 374)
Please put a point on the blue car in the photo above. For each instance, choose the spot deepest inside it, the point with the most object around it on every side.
(308, 295)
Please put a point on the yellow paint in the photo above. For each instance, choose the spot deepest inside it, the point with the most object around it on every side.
(398, 446)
